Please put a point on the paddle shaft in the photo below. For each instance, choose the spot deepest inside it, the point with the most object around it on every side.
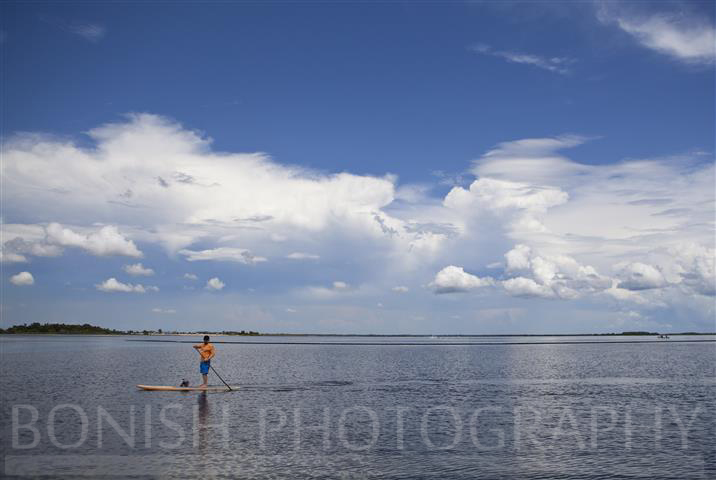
(217, 374)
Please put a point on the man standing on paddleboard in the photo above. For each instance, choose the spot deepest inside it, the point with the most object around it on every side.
(207, 352)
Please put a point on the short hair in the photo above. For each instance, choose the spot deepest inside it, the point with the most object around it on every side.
(206, 338)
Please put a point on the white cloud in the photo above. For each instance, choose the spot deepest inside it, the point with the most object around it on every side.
(167, 183)
(50, 240)
(137, 269)
(584, 231)
(639, 276)
(533, 160)
(337, 288)
(113, 285)
(522, 204)
(105, 241)
(22, 279)
(517, 184)
(696, 267)
(215, 284)
(551, 276)
(624, 295)
(559, 65)
(488, 193)
(680, 35)
(92, 32)
(240, 255)
(190, 276)
(518, 258)
(526, 287)
(617, 198)
(15, 250)
(400, 289)
(303, 256)
(165, 311)
(564, 225)
(453, 279)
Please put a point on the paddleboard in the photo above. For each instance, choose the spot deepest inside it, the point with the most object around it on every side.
(166, 388)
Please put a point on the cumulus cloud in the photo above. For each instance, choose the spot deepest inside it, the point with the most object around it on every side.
(190, 276)
(517, 184)
(564, 225)
(106, 241)
(338, 285)
(22, 279)
(530, 275)
(626, 296)
(113, 285)
(554, 64)
(226, 188)
(696, 267)
(453, 279)
(550, 276)
(165, 311)
(489, 193)
(526, 287)
(17, 249)
(302, 256)
(680, 35)
(167, 183)
(240, 255)
(400, 289)
(215, 284)
(581, 205)
(50, 241)
(590, 231)
(137, 269)
(639, 276)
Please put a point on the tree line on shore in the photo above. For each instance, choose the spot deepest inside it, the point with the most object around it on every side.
(87, 329)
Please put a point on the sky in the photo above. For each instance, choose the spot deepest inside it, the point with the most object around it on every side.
(399, 167)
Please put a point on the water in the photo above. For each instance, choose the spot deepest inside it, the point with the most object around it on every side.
(408, 407)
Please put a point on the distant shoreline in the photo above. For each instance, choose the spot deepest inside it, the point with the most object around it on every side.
(37, 328)
(533, 335)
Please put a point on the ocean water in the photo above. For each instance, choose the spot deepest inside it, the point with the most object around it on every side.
(361, 407)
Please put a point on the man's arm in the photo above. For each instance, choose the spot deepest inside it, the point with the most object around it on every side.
(213, 352)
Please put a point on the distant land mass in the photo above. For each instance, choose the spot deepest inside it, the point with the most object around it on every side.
(87, 329)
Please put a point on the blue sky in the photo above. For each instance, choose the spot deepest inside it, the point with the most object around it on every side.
(474, 167)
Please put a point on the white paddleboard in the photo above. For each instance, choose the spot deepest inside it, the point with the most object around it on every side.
(166, 388)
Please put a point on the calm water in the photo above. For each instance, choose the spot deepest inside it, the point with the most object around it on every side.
(386, 408)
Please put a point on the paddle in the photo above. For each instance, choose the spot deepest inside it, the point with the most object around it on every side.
(217, 374)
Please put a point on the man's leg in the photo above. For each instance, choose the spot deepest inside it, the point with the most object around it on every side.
(204, 370)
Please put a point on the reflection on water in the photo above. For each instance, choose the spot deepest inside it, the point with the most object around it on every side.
(202, 430)
(362, 411)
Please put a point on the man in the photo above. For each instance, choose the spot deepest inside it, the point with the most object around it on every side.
(207, 352)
